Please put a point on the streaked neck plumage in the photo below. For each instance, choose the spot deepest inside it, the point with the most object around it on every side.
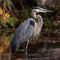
(39, 21)
(38, 18)
(33, 14)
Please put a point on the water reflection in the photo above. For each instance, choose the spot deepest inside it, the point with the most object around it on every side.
(6, 38)
(35, 47)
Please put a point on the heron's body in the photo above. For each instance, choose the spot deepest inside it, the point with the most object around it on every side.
(27, 30)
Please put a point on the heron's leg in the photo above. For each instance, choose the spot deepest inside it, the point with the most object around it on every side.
(27, 47)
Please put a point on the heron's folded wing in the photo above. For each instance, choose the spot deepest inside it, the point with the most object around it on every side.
(24, 34)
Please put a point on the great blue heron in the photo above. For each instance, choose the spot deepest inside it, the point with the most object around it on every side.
(29, 29)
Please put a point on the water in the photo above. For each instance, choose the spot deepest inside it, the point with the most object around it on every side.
(44, 48)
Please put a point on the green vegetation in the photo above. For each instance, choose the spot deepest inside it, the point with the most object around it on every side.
(9, 19)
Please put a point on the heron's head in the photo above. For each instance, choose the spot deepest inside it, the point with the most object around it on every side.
(39, 9)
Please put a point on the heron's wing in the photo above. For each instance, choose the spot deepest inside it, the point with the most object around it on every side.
(23, 33)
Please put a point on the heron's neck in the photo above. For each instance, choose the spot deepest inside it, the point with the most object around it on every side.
(38, 18)
(33, 14)
(40, 21)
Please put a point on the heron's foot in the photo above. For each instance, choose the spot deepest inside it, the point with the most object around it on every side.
(26, 53)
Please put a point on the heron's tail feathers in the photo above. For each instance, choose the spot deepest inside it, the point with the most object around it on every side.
(13, 47)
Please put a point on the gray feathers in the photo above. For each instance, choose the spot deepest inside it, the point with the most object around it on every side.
(23, 33)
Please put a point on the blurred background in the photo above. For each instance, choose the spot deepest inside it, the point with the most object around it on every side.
(14, 12)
